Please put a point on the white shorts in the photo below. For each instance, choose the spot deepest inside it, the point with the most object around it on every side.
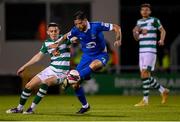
(147, 61)
(48, 73)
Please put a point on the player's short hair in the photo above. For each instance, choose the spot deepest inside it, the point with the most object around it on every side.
(79, 15)
(146, 5)
(53, 24)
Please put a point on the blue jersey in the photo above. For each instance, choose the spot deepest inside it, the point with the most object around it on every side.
(92, 40)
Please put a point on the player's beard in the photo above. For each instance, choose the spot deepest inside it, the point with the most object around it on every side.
(82, 28)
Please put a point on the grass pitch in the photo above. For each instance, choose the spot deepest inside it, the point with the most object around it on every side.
(103, 108)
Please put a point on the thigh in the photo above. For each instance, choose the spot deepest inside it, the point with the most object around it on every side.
(47, 74)
(51, 81)
(103, 57)
(141, 61)
(85, 61)
(35, 81)
(149, 60)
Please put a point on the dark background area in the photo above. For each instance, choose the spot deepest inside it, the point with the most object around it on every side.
(167, 11)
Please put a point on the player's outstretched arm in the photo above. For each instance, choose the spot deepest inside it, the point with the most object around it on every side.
(33, 60)
(136, 31)
(117, 30)
(162, 36)
(59, 41)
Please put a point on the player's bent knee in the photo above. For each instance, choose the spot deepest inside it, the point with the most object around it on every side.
(145, 74)
(95, 65)
(75, 86)
(28, 86)
(50, 81)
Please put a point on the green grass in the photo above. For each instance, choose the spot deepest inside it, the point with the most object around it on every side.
(104, 108)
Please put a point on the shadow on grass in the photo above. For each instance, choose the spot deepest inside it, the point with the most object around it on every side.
(82, 115)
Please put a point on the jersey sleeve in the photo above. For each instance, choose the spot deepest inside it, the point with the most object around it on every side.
(71, 34)
(137, 23)
(157, 23)
(68, 42)
(104, 26)
(43, 49)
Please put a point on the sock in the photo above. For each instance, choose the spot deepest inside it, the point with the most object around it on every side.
(85, 106)
(146, 86)
(85, 72)
(24, 96)
(80, 94)
(146, 98)
(33, 106)
(41, 93)
(156, 85)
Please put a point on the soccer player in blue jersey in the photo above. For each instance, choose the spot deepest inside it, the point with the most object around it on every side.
(93, 44)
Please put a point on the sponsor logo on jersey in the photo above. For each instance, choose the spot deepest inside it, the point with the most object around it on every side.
(91, 45)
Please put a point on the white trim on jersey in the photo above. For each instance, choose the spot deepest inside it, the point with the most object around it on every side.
(151, 42)
(147, 49)
(148, 35)
(48, 43)
(61, 63)
(111, 27)
(61, 56)
(88, 27)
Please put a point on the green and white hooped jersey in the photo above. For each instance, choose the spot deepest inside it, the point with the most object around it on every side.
(148, 42)
(60, 57)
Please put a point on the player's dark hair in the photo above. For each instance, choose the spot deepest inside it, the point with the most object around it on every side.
(79, 15)
(146, 5)
(53, 24)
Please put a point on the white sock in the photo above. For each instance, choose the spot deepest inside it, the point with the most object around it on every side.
(85, 106)
(161, 89)
(20, 107)
(145, 98)
(33, 105)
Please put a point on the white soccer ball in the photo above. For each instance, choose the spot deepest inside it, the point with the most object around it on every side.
(73, 76)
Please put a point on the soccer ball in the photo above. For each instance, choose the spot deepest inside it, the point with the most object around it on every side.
(73, 76)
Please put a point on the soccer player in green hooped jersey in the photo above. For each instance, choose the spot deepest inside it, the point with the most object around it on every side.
(53, 74)
(145, 32)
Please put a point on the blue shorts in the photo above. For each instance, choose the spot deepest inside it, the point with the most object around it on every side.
(86, 60)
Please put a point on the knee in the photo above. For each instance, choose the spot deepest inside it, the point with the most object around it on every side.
(75, 86)
(145, 74)
(28, 86)
(95, 65)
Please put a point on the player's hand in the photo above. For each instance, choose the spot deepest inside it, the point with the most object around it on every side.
(55, 45)
(136, 29)
(20, 70)
(144, 31)
(117, 43)
(161, 43)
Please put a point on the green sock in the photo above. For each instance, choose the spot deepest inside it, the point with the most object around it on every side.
(146, 86)
(41, 93)
(154, 83)
(24, 96)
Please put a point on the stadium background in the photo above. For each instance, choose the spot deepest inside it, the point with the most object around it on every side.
(22, 25)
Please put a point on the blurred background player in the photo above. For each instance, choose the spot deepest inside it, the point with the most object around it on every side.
(53, 74)
(146, 33)
(91, 38)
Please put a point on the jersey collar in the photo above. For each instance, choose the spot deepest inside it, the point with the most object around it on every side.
(88, 26)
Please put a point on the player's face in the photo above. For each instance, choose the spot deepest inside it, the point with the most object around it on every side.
(53, 32)
(81, 24)
(145, 12)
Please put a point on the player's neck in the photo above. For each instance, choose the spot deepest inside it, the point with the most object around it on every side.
(145, 17)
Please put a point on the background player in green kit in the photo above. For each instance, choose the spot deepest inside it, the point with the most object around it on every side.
(53, 74)
(145, 32)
